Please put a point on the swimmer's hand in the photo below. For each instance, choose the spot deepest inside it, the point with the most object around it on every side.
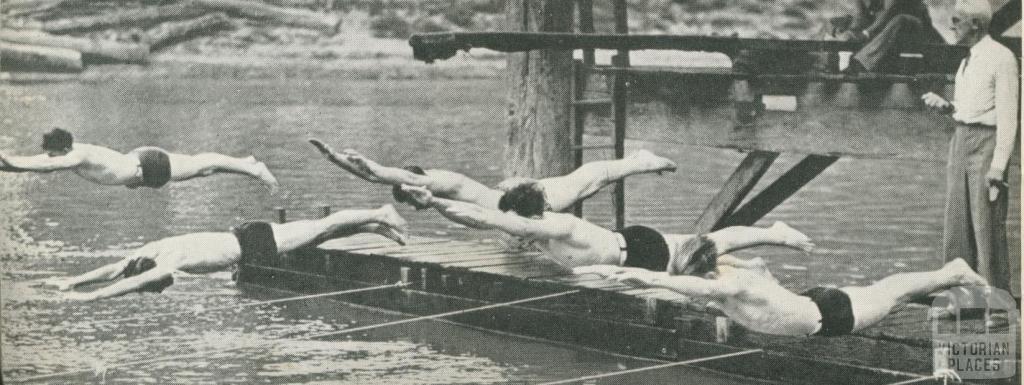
(947, 374)
(420, 195)
(77, 296)
(632, 276)
(59, 283)
(512, 182)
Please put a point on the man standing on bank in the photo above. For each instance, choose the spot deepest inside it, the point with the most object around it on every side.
(985, 110)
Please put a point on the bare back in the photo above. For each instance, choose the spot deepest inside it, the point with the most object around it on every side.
(458, 187)
(765, 306)
(105, 166)
(586, 244)
(194, 253)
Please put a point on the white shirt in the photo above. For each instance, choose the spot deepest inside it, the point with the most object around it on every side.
(987, 86)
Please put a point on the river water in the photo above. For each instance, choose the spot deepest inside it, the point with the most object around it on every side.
(869, 218)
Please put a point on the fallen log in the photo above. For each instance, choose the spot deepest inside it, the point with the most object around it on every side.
(141, 17)
(328, 23)
(28, 7)
(172, 32)
(36, 58)
(97, 50)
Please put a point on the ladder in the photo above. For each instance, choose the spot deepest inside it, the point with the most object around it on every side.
(617, 102)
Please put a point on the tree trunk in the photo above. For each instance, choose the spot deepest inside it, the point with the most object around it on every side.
(169, 33)
(36, 58)
(141, 17)
(101, 49)
(329, 23)
(539, 142)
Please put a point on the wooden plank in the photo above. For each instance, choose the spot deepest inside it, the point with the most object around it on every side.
(443, 45)
(777, 192)
(739, 184)
(100, 49)
(38, 58)
(523, 270)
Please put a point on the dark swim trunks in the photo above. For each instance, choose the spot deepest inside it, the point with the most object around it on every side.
(156, 167)
(645, 248)
(142, 264)
(256, 240)
(835, 308)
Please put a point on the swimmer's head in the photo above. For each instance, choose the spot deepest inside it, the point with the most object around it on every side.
(527, 200)
(140, 265)
(57, 142)
(404, 197)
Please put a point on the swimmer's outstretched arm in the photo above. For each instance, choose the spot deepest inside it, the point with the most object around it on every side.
(686, 285)
(123, 286)
(105, 273)
(340, 161)
(38, 163)
(482, 218)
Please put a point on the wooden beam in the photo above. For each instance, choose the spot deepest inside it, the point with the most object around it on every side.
(780, 190)
(739, 184)
(442, 45)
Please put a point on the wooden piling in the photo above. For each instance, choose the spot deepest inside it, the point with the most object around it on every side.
(585, 24)
(282, 215)
(739, 184)
(325, 211)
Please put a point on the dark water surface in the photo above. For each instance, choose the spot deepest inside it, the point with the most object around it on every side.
(869, 218)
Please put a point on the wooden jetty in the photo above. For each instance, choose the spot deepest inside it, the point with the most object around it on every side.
(447, 275)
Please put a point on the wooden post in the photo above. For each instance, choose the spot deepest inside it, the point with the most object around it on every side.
(282, 215)
(777, 192)
(585, 9)
(735, 189)
(579, 117)
(721, 329)
(622, 28)
(619, 107)
(325, 211)
(539, 141)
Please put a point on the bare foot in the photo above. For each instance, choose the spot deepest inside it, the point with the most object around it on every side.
(389, 216)
(60, 283)
(793, 238)
(264, 174)
(648, 161)
(392, 234)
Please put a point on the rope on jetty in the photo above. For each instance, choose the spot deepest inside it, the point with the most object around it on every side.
(653, 367)
(103, 370)
(251, 304)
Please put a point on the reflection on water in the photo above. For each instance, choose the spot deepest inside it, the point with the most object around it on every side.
(869, 219)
